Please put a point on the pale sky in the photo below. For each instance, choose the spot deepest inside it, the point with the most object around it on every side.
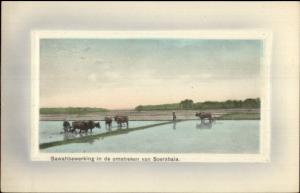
(124, 73)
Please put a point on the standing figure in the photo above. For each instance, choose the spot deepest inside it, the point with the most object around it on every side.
(174, 116)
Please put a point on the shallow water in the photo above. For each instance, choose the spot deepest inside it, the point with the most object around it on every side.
(237, 136)
(53, 130)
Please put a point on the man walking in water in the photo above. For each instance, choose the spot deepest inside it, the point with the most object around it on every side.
(174, 116)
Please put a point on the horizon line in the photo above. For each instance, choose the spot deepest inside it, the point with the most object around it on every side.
(132, 108)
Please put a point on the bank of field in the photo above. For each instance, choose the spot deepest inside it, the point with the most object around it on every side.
(240, 116)
(155, 115)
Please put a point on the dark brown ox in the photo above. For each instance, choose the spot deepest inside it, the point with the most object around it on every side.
(66, 126)
(204, 116)
(121, 119)
(108, 122)
(85, 125)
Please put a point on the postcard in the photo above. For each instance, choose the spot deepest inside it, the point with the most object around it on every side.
(151, 96)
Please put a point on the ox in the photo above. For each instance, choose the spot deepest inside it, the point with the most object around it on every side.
(108, 122)
(85, 125)
(66, 126)
(204, 116)
(121, 119)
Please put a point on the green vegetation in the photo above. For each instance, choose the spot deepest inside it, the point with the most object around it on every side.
(240, 116)
(157, 107)
(71, 110)
(188, 104)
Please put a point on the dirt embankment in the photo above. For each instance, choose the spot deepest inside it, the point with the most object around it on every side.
(144, 115)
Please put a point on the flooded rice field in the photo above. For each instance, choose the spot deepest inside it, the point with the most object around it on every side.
(234, 136)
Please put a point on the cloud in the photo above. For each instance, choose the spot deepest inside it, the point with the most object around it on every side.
(99, 61)
(92, 77)
(112, 75)
(102, 61)
(206, 75)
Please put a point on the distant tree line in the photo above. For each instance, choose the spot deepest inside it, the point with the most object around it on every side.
(71, 110)
(189, 104)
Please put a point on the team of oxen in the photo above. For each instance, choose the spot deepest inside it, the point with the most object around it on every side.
(85, 126)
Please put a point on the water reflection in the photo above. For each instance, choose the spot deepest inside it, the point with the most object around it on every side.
(69, 135)
(108, 129)
(174, 125)
(90, 141)
(204, 125)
